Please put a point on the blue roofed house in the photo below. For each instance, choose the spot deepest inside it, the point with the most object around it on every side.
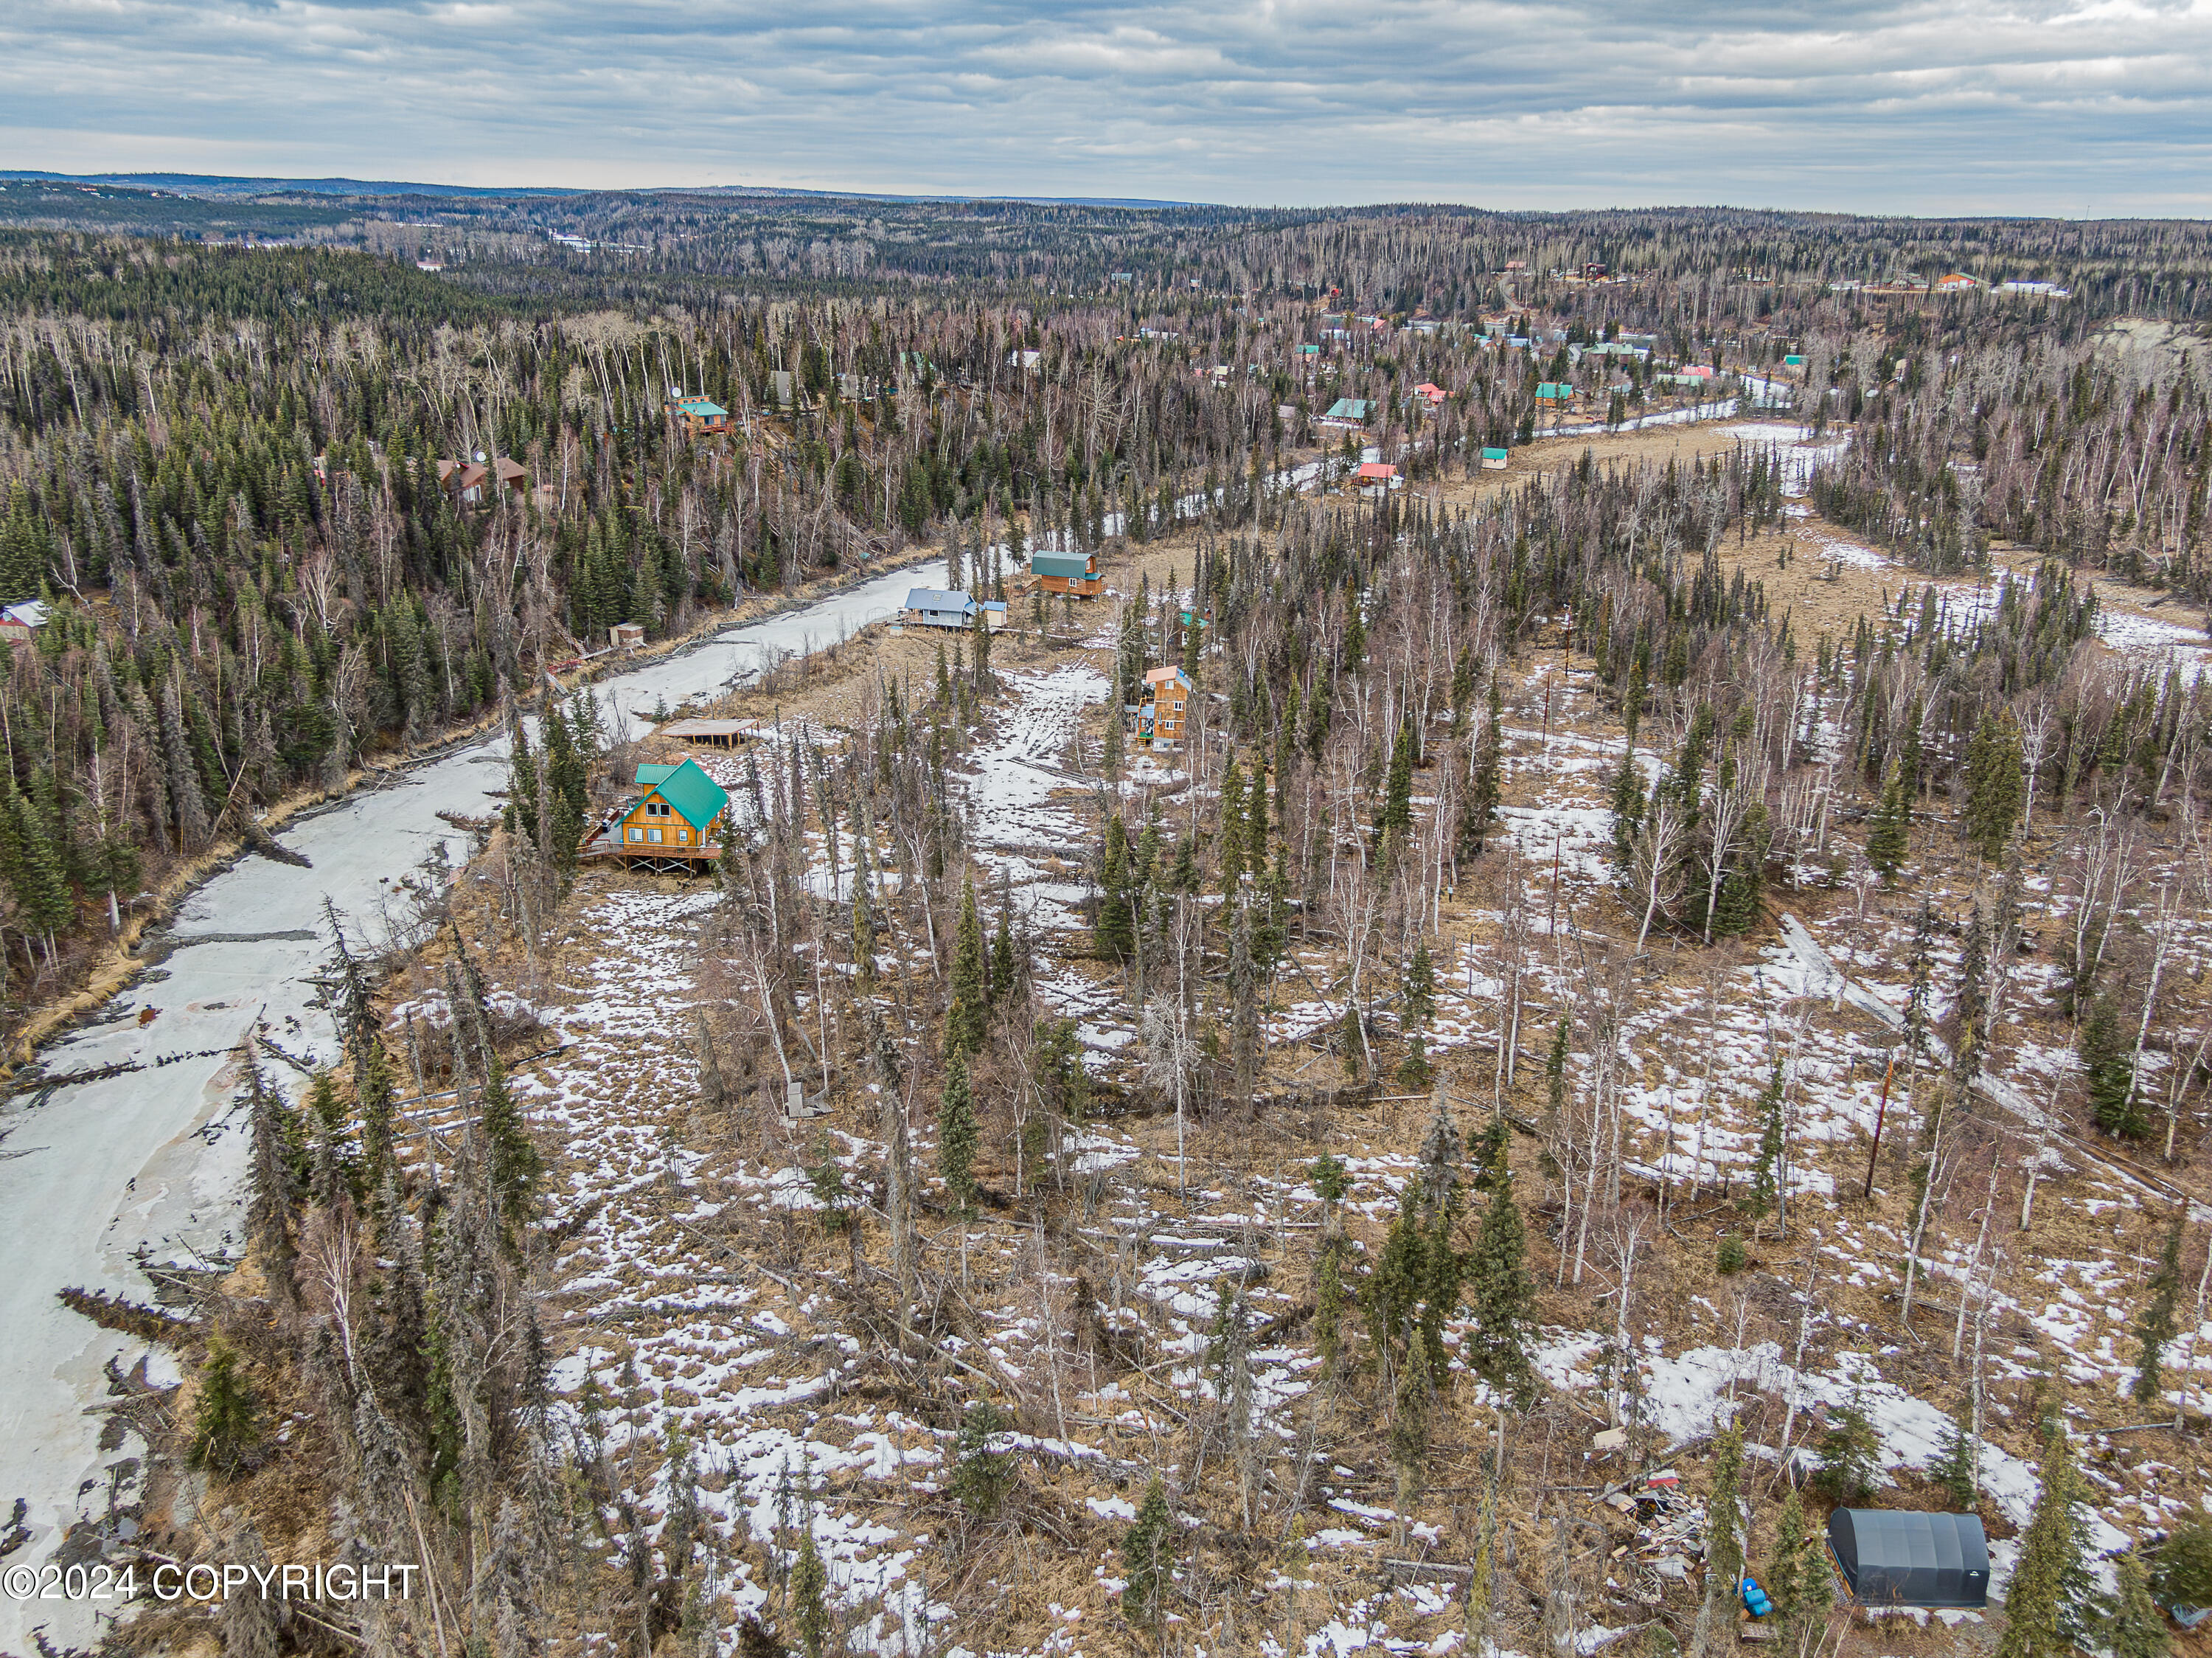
(949, 608)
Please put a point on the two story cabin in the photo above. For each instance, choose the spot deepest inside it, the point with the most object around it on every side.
(1068, 572)
(670, 827)
(1163, 720)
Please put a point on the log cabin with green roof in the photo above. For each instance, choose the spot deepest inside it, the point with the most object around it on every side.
(672, 825)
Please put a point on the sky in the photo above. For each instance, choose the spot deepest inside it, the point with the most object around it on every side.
(2072, 107)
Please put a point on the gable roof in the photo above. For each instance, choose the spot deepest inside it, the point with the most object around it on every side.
(1375, 469)
(1347, 408)
(702, 408)
(30, 612)
(939, 599)
(697, 798)
(1069, 564)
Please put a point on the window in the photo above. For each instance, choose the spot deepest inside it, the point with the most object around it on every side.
(683, 836)
(656, 809)
(654, 835)
(637, 833)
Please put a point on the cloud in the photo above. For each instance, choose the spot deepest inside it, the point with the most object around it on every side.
(1974, 106)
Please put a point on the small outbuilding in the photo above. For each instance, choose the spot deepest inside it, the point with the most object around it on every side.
(1890, 1557)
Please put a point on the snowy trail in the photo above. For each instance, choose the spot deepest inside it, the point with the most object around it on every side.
(153, 1158)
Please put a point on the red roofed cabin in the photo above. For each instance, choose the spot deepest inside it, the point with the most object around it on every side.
(1377, 475)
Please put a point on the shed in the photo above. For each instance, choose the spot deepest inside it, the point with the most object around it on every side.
(712, 734)
(1494, 459)
(1894, 1558)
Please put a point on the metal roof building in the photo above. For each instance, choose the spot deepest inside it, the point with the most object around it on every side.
(1894, 1558)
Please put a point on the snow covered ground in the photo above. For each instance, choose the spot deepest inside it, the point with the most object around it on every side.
(90, 1175)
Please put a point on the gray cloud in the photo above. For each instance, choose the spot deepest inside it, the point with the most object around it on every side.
(1974, 106)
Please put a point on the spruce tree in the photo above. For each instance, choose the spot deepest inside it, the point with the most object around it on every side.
(2036, 1610)
(511, 1155)
(969, 1008)
(1231, 839)
(1502, 1295)
(1420, 989)
(1786, 1575)
(1849, 1464)
(1479, 809)
(1888, 839)
(983, 1467)
(335, 1169)
(2154, 1326)
(226, 1415)
(957, 1137)
(1767, 1172)
(1952, 1470)
(1993, 788)
(810, 1594)
(373, 1100)
(1002, 948)
(1114, 934)
(1397, 817)
(1148, 1558)
(2113, 1103)
(2135, 1628)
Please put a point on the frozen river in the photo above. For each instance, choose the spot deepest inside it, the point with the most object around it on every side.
(152, 1160)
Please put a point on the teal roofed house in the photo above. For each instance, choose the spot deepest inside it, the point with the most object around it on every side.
(1067, 572)
(669, 826)
(1347, 412)
(1494, 459)
(698, 417)
(1554, 391)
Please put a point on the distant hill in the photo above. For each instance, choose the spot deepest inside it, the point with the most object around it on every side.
(209, 183)
(222, 184)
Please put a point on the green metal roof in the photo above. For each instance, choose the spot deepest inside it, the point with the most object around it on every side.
(1069, 564)
(700, 405)
(1493, 455)
(1347, 408)
(697, 798)
(1555, 388)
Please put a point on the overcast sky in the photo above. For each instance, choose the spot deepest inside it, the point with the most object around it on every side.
(1961, 106)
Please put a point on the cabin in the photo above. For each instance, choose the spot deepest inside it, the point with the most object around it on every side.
(1346, 414)
(1554, 391)
(669, 826)
(937, 607)
(1890, 1557)
(18, 623)
(1161, 721)
(464, 480)
(626, 635)
(1378, 475)
(698, 417)
(1075, 573)
(1430, 392)
(1493, 459)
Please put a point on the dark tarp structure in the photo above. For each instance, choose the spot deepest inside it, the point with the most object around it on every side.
(1891, 1558)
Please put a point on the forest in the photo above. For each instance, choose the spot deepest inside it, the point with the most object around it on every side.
(1671, 971)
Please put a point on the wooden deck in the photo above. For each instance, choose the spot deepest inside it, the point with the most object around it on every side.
(601, 847)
